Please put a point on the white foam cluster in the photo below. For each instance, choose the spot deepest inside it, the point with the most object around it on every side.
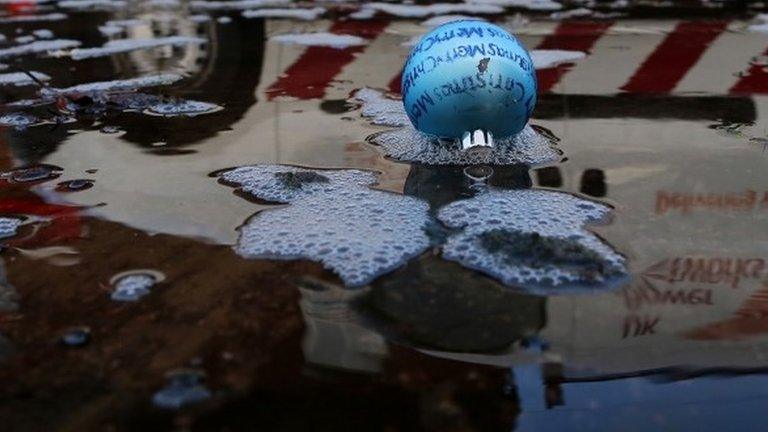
(18, 120)
(43, 34)
(132, 287)
(423, 11)
(537, 5)
(20, 79)
(296, 13)
(181, 107)
(37, 47)
(8, 226)
(33, 18)
(409, 145)
(338, 41)
(380, 109)
(545, 59)
(337, 219)
(24, 39)
(118, 85)
(117, 27)
(553, 215)
(237, 5)
(127, 45)
(92, 5)
(571, 13)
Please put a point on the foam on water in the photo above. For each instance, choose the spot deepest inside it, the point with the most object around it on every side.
(93, 5)
(409, 145)
(320, 39)
(127, 45)
(545, 59)
(132, 286)
(299, 14)
(184, 387)
(33, 18)
(39, 47)
(531, 238)
(18, 120)
(24, 39)
(444, 19)
(43, 34)
(8, 226)
(19, 79)
(422, 11)
(333, 217)
(181, 107)
(572, 13)
(118, 85)
(537, 5)
(237, 5)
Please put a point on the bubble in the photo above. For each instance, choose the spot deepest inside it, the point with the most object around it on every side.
(132, 286)
(533, 239)
(184, 387)
(409, 145)
(74, 185)
(35, 173)
(333, 217)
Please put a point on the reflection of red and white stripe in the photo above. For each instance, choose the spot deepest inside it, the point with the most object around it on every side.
(655, 57)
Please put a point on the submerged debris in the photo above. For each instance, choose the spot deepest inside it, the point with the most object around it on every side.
(334, 217)
(533, 239)
(184, 387)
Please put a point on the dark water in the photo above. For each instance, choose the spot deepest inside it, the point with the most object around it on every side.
(117, 201)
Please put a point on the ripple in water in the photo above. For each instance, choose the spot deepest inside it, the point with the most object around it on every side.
(409, 145)
(334, 217)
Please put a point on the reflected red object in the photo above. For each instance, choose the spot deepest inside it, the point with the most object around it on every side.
(20, 7)
(571, 36)
(314, 70)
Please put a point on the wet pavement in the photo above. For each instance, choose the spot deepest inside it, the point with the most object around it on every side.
(217, 229)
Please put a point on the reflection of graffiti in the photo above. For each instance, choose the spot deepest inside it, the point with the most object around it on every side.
(751, 319)
(686, 203)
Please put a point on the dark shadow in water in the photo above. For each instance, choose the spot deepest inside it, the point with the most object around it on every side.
(226, 76)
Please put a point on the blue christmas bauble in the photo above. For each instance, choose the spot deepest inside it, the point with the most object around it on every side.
(469, 75)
